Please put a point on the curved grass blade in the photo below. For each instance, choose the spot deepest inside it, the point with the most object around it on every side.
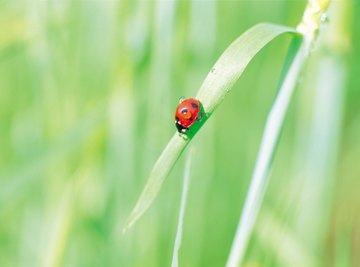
(216, 85)
(234, 60)
(159, 172)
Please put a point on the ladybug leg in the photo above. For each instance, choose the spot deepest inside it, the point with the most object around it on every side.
(183, 132)
(199, 116)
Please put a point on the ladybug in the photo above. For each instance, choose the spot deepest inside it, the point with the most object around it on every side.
(187, 112)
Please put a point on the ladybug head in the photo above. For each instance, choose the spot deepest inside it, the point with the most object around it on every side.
(179, 127)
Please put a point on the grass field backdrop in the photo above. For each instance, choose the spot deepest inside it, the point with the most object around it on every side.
(88, 90)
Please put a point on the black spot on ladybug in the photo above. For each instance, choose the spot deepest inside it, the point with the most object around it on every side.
(190, 119)
(194, 105)
(184, 111)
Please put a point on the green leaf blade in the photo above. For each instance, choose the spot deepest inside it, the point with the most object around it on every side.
(234, 60)
(157, 176)
(226, 71)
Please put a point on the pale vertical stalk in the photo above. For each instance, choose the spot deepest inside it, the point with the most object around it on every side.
(316, 160)
(185, 189)
(308, 27)
(267, 147)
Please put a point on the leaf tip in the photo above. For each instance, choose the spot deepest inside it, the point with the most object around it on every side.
(129, 223)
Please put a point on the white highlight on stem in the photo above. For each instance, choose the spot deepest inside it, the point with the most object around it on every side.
(185, 189)
(267, 148)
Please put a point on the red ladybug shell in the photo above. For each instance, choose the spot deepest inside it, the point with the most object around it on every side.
(186, 113)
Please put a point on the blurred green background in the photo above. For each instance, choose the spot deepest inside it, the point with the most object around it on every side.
(87, 95)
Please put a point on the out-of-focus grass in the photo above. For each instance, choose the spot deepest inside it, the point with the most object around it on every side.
(87, 92)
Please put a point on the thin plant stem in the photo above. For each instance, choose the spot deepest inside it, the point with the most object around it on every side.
(184, 194)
